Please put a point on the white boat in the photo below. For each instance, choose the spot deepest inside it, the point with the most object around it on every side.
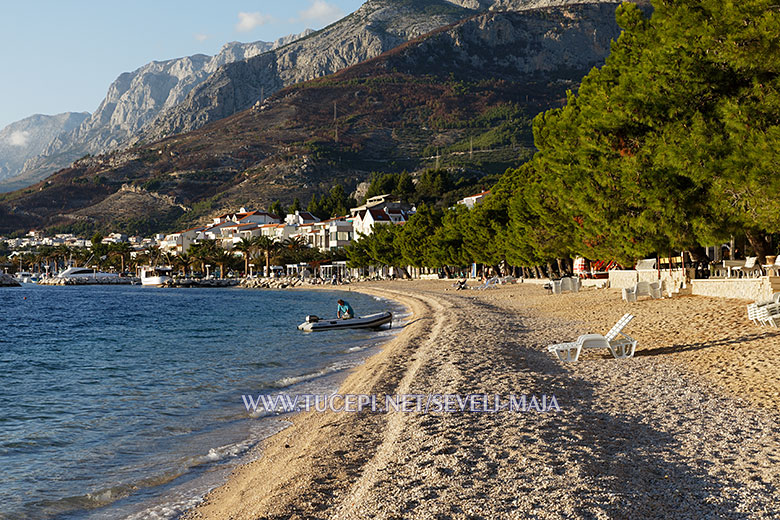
(85, 272)
(155, 276)
(372, 321)
(26, 277)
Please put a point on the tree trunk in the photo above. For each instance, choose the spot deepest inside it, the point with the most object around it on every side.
(550, 270)
(760, 244)
(561, 262)
(404, 272)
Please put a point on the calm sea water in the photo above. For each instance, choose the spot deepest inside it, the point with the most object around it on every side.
(121, 402)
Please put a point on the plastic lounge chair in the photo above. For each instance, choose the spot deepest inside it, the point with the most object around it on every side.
(750, 268)
(773, 269)
(487, 285)
(623, 347)
(566, 283)
(651, 289)
(768, 314)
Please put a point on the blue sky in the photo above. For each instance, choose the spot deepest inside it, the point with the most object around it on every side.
(61, 55)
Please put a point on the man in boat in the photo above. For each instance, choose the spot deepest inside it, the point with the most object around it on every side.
(345, 311)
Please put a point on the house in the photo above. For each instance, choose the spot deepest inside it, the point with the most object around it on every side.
(179, 243)
(474, 200)
(385, 202)
(335, 234)
(114, 238)
(245, 217)
(366, 219)
(277, 231)
(300, 218)
(231, 234)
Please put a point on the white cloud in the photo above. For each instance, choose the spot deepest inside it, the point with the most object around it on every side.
(201, 37)
(248, 21)
(19, 138)
(321, 12)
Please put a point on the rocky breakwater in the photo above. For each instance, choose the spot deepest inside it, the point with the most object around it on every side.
(282, 283)
(8, 281)
(85, 280)
(194, 282)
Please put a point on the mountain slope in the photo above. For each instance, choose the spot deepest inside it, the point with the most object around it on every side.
(478, 82)
(379, 25)
(132, 101)
(28, 137)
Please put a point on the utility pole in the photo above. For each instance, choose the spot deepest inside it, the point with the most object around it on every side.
(262, 94)
(438, 157)
(471, 147)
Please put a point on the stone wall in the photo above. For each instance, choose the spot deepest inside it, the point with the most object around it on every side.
(619, 279)
(741, 288)
(671, 281)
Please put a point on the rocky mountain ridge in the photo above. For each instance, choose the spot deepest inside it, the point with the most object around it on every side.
(27, 138)
(131, 102)
(475, 84)
(378, 26)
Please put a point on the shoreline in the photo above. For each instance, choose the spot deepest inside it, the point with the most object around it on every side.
(680, 415)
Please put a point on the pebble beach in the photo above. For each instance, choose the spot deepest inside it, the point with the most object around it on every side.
(688, 428)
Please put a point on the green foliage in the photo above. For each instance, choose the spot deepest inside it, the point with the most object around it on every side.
(415, 238)
(277, 209)
(335, 203)
(378, 248)
(673, 143)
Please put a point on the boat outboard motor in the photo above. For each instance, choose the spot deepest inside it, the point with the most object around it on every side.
(311, 318)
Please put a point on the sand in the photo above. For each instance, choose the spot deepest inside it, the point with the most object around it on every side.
(688, 428)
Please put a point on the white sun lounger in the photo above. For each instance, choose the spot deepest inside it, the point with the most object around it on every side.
(619, 347)
(750, 268)
(651, 289)
(765, 312)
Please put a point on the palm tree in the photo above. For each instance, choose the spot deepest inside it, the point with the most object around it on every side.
(183, 262)
(246, 246)
(204, 252)
(61, 251)
(267, 245)
(121, 250)
(221, 258)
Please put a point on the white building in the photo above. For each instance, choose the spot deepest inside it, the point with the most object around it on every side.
(245, 217)
(180, 242)
(300, 218)
(366, 219)
(473, 200)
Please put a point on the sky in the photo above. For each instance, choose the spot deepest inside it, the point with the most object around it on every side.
(61, 55)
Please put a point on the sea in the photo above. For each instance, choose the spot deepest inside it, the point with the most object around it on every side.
(126, 401)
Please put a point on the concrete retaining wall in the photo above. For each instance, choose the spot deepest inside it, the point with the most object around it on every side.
(623, 279)
(740, 288)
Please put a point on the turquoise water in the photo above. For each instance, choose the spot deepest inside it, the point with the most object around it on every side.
(126, 401)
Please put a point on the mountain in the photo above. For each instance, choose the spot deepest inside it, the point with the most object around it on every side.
(27, 138)
(378, 26)
(462, 96)
(133, 100)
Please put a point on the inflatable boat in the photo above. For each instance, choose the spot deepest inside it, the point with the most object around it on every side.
(372, 321)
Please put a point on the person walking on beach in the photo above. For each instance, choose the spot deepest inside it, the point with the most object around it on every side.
(345, 311)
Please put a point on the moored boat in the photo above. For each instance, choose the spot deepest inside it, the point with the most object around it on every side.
(155, 276)
(372, 321)
(85, 272)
